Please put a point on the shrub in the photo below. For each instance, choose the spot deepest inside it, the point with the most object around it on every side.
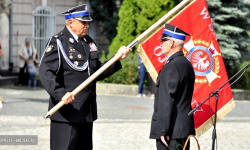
(244, 81)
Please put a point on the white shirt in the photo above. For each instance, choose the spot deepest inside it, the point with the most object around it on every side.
(169, 57)
(74, 35)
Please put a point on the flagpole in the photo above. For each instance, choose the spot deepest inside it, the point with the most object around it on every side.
(216, 94)
(118, 55)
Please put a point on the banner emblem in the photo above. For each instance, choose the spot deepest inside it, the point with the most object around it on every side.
(204, 59)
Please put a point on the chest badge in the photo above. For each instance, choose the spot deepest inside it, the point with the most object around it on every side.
(76, 63)
(79, 56)
(71, 49)
(70, 55)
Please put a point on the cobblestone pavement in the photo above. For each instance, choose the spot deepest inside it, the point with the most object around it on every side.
(123, 124)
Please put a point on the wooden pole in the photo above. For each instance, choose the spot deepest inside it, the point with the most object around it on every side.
(118, 55)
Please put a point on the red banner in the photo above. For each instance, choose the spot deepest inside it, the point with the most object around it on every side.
(203, 51)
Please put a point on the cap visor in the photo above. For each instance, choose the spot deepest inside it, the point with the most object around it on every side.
(84, 18)
(164, 36)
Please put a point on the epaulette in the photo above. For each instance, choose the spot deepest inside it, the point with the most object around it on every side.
(58, 34)
(49, 47)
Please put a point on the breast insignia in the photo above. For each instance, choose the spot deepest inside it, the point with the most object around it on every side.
(71, 49)
(49, 48)
(92, 47)
(70, 55)
(76, 63)
(79, 56)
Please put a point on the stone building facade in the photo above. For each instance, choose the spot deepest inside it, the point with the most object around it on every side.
(39, 19)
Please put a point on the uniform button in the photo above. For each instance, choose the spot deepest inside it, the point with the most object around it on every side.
(163, 131)
(89, 91)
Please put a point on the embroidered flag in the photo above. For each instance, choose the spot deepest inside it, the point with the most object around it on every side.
(203, 51)
(92, 47)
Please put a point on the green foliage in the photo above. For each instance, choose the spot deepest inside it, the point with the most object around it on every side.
(135, 17)
(244, 81)
(127, 75)
(231, 23)
(106, 12)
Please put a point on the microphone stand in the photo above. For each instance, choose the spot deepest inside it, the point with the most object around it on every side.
(216, 94)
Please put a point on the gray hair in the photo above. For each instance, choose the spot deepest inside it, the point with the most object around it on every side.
(178, 42)
(28, 40)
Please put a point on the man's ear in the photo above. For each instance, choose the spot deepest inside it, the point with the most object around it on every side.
(171, 42)
(70, 22)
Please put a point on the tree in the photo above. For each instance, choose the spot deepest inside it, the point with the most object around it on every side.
(135, 17)
(106, 11)
(231, 23)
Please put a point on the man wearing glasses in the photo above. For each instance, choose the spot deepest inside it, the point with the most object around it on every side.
(170, 124)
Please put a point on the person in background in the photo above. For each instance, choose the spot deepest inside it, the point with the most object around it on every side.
(142, 73)
(26, 52)
(32, 74)
(170, 124)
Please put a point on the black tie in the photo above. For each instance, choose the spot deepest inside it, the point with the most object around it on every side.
(82, 43)
(87, 54)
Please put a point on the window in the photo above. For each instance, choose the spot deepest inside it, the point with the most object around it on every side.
(43, 27)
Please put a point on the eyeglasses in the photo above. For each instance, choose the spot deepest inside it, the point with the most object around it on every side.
(164, 40)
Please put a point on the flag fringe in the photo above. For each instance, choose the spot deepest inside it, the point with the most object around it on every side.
(220, 114)
(147, 63)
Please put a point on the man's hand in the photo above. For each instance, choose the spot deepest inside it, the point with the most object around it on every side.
(68, 98)
(125, 51)
(164, 141)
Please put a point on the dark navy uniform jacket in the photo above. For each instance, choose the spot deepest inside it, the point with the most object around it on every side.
(173, 97)
(61, 72)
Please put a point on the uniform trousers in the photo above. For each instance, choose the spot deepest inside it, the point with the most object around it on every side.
(71, 136)
(173, 144)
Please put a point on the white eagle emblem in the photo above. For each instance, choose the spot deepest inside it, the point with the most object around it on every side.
(198, 62)
(204, 58)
